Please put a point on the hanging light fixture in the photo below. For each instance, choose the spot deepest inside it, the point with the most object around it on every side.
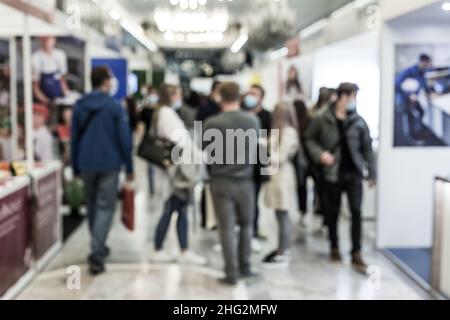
(188, 4)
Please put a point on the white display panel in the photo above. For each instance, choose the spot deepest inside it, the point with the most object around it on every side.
(406, 175)
(443, 236)
(354, 60)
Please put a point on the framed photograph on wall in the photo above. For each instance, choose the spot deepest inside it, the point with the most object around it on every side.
(422, 95)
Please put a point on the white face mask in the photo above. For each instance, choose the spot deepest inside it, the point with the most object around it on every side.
(152, 99)
(177, 105)
(352, 105)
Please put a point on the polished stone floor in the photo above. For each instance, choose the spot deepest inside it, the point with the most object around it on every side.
(131, 275)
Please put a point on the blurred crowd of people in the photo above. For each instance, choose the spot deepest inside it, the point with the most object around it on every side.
(328, 142)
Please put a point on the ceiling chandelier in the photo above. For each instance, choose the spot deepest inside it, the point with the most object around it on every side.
(188, 4)
(167, 20)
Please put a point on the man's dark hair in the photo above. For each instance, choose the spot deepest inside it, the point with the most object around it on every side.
(260, 88)
(99, 75)
(346, 89)
(424, 58)
(230, 92)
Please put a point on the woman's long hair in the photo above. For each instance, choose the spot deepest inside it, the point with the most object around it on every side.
(293, 83)
(324, 98)
(284, 116)
(166, 92)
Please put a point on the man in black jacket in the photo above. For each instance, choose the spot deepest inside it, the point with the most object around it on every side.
(339, 143)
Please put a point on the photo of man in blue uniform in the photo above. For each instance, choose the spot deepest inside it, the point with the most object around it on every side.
(409, 83)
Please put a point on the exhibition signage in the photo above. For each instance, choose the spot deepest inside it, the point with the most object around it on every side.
(119, 68)
(45, 220)
(15, 253)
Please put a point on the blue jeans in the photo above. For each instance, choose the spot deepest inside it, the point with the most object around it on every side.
(101, 200)
(172, 205)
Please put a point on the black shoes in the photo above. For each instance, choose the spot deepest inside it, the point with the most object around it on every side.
(228, 281)
(96, 266)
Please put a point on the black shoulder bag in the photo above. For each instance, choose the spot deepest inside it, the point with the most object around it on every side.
(156, 150)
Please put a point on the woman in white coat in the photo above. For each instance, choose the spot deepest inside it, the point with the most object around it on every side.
(170, 126)
(280, 192)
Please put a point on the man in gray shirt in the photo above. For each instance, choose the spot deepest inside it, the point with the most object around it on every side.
(230, 140)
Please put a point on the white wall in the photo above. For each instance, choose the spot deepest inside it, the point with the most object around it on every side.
(406, 178)
(353, 60)
(395, 8)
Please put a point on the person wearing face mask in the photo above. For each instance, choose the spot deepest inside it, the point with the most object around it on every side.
(253, 102)
(101, 146)
(149, 103)
(339, 143)
(212, 106)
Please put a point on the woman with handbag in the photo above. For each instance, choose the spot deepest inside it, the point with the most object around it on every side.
(179, 178)
(280, 190)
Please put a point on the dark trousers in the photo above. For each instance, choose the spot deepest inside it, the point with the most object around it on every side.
(258, 186)
(172, 205)
(351, 184)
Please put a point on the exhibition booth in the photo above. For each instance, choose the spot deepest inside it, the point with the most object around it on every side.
(414, 147)
(30, 191)
(35, 112)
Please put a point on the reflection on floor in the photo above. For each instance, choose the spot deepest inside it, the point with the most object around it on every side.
(417, 259)
(131, 276)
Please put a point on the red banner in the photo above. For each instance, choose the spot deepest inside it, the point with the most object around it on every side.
(45, 221)
(15, 254)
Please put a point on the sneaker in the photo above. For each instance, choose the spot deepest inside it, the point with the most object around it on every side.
(189, 257)
(261, 237)
(302, 223)
(161, 257)
(335, 256)
(275, 258)
(358, 263)
(228, 281)
(256, 245)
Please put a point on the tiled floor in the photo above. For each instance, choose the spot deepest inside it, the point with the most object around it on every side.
(131, 276)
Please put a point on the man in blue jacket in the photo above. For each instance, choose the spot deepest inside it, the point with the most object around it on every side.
(101, 146)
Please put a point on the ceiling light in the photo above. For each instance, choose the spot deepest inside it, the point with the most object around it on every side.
(277, 54)
(188, 4)
(116, 13)
(446, 6)
(138, 34)
(167, 20)
(239, 43)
